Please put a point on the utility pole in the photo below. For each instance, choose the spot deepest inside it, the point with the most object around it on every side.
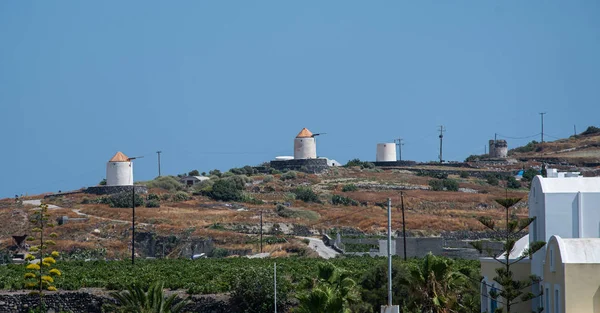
(389, 252)
(261, 231)
(403, 224)
(158, 153)
(133, 225)
(399, 144)
(275, 284)
(442, 130)
(542, 115)
(574, 130)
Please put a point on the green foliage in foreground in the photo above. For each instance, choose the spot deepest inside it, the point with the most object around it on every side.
(136, 299)
(202, 276)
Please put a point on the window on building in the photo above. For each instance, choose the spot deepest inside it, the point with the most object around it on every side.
(556, 299)
(493, 302)
(547, 293)
(552, 259)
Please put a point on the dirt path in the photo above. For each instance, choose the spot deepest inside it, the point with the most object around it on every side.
(319, 246)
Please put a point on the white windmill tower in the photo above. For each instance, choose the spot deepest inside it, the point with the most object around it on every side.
(119, 170)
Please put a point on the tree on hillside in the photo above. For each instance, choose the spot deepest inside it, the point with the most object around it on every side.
(436, 286)
(333, 291)
(512, 291)
(194, 173)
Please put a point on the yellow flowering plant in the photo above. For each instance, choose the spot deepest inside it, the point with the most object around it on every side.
(41, 263)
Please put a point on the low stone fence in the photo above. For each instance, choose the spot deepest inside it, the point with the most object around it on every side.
(312, 166)
(83, 302)
(107, 190)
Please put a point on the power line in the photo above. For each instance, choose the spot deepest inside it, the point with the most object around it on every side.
(526, 137)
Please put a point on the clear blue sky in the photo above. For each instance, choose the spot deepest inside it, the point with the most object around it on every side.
(219, 84)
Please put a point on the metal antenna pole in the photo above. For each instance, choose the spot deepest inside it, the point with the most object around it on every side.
(542, 114)
(158, 153)
(133, 225)
(389, 251)
(403, 224)
(275, 283)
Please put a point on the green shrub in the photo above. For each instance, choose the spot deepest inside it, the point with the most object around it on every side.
(443, 184)
(436, 185)
(529, 174)
(513, 183)
(349, 188)
(165, 197)
(492, 180)
(219, 253)
(152, 196)
(526, 148)
(341, 200)
(289, 175)
(251, 200)
(358, 162)
(464, 174)
(306, 194)
(591, 130)
(153, 203)
(194, 173)
(181, 196)
(169, 183)
(274, 171)
(123, 200)
(102, 182)
(215, 172)
(268, 178)
(225, 190)
(253, 291)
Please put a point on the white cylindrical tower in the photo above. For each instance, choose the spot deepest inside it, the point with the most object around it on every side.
(119, 171)
(386, 152)
(305, 146)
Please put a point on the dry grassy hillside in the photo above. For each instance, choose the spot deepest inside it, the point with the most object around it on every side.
(235, 225)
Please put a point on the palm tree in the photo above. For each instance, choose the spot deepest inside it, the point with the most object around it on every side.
(136, 300)
(333, 291)
(435, 287)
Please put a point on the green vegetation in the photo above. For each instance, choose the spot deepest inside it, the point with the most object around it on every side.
(476, 157)
(306, 194)
(122, 200)
(513, 183)
(464, 174)
(268, 178)
(531, 146)
(102, 182)
(349, 188)
(283, 211)
(225, 190)
(153, 204)
(169, 183)
(246, 170)
(529, 174)
(136, 299)
(181, 196)
(359, 163)
(443, 184)
(253, 291)
(591, 130)
(492, 180)
(332, 291)
(290, 175)
(512, 291)
(341, 200)
(194, 173)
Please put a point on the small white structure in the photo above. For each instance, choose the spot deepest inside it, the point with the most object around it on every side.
(192, 180)
(386, 152)
(305, 146)
(119, 170)
(284, 158)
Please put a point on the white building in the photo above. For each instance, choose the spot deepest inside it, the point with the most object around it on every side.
(566, 205)
(119, 170)
(305, 146)
(386, 152)
(192, 180)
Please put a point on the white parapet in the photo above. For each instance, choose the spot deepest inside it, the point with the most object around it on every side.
(386, 152)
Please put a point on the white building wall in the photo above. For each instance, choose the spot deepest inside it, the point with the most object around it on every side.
(590, 215)
(305, 148)
(386, 152)
(119, 173)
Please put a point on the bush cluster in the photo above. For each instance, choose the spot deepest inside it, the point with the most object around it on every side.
(591, 130)
(349, 188)
(443, 184)
(181, 196)
(361, 164)
(492, 180)
(529, 174)
(306, 194)
(529, 147)
(122, 200)
(290, 175)
(341, 200)
(169, 183)
(246, 170)
(513, 183)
